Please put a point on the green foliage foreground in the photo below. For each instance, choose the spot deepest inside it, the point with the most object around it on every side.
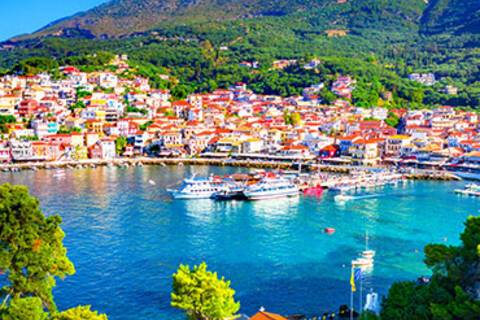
(32, 256)
(454, 289)
(202, 295)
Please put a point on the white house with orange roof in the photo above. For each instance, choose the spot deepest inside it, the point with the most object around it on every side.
(395, 143)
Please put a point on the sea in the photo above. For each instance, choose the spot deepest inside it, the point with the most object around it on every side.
(126, 237)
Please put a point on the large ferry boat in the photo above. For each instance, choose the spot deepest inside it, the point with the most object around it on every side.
(270, 188)
(197, 188)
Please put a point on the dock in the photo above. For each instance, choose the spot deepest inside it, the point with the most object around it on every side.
(340, 174)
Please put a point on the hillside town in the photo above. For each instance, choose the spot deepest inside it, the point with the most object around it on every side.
(102, 115)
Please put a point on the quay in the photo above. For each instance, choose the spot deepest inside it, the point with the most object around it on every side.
(417, 174)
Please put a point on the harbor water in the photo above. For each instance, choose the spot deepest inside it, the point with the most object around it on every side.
(126, 237)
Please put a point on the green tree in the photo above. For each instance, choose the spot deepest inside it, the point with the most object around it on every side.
(287, 117)
(452, 291)
(296, 119)
(32, 253)
(25, 308)
(78, 105)
(80, 313)
(392, 120)
(202, 295)
(120, 145)
(328, 96)
(35, 65)
(4, 120)
(32, 256)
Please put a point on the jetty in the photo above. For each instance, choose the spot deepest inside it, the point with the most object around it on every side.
(335, 174)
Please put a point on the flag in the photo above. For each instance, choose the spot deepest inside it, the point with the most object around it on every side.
(352, 281)
(358, 274)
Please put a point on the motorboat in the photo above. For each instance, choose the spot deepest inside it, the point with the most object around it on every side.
(368, 254)
(343, 198)
(271, 188)
(470, 190)
(59, 174)
(362, 263)
(229, 192)
(329, 230)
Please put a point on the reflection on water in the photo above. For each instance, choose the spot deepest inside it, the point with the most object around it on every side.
(274, 208)
(127, 236)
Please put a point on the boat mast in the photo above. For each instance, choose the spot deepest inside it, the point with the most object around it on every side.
(366, 240)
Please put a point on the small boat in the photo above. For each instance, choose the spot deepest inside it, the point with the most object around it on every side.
(229, 193)
(470, 190)
(151, 182)
(362, 262)
(368, 254)
(343, 198)
(329, 230)
(314, 191)
(59, 174)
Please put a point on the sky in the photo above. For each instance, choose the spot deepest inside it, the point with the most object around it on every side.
(25, 16)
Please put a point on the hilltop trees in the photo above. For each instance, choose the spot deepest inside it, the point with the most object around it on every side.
(34, 65)
(202, 295)
(32, 256)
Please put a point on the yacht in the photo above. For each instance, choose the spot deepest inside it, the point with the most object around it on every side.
(270, 188)
(470, 190)
(197, 188)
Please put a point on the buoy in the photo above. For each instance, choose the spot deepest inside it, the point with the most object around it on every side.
(329, 230)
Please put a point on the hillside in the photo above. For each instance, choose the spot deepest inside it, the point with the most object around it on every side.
(458, 16)
(202, 43)
(124, 17)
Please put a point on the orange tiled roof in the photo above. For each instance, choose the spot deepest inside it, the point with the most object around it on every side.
(267, 316)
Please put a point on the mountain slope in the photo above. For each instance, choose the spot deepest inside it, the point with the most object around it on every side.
(124, 17)
(459, 16)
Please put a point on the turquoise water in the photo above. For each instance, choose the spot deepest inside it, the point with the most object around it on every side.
(126, 238)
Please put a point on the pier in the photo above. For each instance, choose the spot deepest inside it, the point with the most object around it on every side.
(417, 174)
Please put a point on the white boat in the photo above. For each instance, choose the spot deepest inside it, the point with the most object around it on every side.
(473, 186)
(59, 174)
(271, 188)
(197, 188)
(362, 263)
(343, 198)
(470, 190)
(368, 253)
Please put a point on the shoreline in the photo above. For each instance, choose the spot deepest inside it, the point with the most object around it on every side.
(419, 174)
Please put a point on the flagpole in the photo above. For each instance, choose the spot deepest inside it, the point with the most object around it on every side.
(360, 308)
(351, 297)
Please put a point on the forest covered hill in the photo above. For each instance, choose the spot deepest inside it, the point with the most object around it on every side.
(201, 43)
